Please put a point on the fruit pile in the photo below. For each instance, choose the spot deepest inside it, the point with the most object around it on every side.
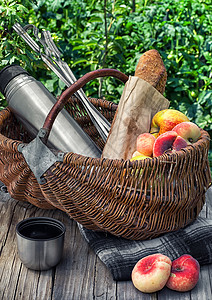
(155, 271)
(170, 130)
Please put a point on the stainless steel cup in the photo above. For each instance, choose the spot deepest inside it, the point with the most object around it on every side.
(40, 242)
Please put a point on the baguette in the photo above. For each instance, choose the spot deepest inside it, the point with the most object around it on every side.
(135, 110)
(151, 68)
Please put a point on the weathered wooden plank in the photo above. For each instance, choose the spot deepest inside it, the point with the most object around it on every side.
(76, 271)
(20, 281)
(80, 275)
(104, 285)
(10, 213)
(36, 284)
(167, 294)
(126, 291)
(7, 207)
(209, 203)
(203, 290)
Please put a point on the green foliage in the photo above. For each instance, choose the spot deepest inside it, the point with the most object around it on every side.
(13, 49)
(98, 34)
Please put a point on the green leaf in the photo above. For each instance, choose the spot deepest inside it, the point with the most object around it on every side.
(61, 84)
(95, 19)
(79, 47)
(205, 98)
(79, 61)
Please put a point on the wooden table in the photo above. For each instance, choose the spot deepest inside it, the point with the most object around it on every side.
(80, 274)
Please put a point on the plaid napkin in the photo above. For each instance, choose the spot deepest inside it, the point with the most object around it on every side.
(120, 255)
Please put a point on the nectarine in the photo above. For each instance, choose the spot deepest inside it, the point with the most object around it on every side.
(184, 273)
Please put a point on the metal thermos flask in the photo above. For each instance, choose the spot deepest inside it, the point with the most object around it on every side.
(31, 102)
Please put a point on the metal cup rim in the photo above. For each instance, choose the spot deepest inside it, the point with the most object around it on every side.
(40, 220)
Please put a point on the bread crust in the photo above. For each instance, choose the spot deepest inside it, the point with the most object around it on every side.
(151, 68)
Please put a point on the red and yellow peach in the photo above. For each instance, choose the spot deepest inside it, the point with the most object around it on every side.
(184, 274)
(166, 120)
(151, 273)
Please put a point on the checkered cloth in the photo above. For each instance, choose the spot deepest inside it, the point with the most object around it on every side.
(120, 255)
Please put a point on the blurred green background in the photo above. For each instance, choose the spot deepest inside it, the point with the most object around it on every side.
(114, 34)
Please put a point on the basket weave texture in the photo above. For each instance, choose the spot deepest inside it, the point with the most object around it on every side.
(135, 200)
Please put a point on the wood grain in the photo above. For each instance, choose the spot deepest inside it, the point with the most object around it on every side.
(80, 274)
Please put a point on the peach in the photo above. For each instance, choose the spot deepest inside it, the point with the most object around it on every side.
(179, 143)
(138, 172)
(184, 274)
(164, 142)
(151, 273)
(166, 120)
(136, 153)
(144, 143)
(139, 157)
(189, 131)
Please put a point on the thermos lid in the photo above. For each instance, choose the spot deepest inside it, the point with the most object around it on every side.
(8, 73)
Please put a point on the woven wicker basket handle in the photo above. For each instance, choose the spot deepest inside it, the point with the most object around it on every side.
(58, 106)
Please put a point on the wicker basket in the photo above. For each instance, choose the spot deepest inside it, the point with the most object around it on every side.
(136, 200)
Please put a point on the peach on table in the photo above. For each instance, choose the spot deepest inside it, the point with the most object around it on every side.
(184, 274)
(151, 273)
